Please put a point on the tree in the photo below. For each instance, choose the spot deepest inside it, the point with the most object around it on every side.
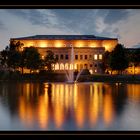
(11, 55)
(4, 56)
(134, 58)
(105, 62)
(118, 60)
(32, 59)
(49, 60)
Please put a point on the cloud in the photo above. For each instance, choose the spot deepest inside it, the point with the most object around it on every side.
(115, 15)
(2, 26)
(137, 45)
(121, 23)
(35, 16)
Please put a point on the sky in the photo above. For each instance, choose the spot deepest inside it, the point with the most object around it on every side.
(123, 24)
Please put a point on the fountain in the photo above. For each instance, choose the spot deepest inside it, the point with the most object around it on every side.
(77, 77)
(70, 73)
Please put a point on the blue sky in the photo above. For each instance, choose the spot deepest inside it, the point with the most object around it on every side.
(121, 23)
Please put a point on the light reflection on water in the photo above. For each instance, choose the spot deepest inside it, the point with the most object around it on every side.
(61, 106)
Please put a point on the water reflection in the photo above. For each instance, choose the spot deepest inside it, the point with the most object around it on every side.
(67, 106)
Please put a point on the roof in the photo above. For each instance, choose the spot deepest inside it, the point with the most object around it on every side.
(64, 37)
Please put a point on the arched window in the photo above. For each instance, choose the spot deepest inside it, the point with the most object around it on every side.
(61, 66)
(66, 66)
(56, 66)
(71, 66)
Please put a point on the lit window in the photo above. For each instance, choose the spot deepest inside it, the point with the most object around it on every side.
(100, 56)
(57, 66)
(61, 66)
(66, 66)
(71, 66)
(95, 57)
(95, 70)
(91, 71)
(42, 57)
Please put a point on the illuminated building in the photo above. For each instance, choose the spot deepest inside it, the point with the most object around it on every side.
(88, 49)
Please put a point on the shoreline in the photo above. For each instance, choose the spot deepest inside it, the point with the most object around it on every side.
(82, 79)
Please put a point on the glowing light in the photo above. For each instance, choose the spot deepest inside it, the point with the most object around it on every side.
(79, 44)
(100, 56)
(56, 66)
(95, 57)
(91, 71)
(43, 44)
(75, 66)
(58, 44)
(62, 66)
(71, 66)
(94, 44)
(29, 44)
(42, 56)
(66, 66)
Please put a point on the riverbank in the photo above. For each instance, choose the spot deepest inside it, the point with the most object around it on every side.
(110, 78)
(54, 77)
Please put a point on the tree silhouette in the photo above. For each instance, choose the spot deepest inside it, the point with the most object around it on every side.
(118, 60)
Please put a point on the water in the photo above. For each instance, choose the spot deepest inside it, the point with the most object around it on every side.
(61, 106)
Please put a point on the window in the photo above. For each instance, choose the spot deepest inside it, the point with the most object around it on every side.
(56, 66)
(90, 65)
(81, 56)
(95, 57)
(62, 66)
(85, 56)
(76, 57)
(66, 66)
(90, 56)
(43, 57)
(61, 56)
(81, 66)
(100, 56)
(95, 65)
(86, 66)
(66, 57)
(57, 57)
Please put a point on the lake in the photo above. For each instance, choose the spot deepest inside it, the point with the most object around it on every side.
(62, 106)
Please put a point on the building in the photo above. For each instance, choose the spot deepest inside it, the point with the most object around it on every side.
(88, 49)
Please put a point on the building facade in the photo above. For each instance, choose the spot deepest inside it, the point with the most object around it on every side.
(88, 50)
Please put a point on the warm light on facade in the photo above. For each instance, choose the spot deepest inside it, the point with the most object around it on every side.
(79, 44)
(100, 56)
(43, 44)
(58, 44)
(29, 44)
(95, 56)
